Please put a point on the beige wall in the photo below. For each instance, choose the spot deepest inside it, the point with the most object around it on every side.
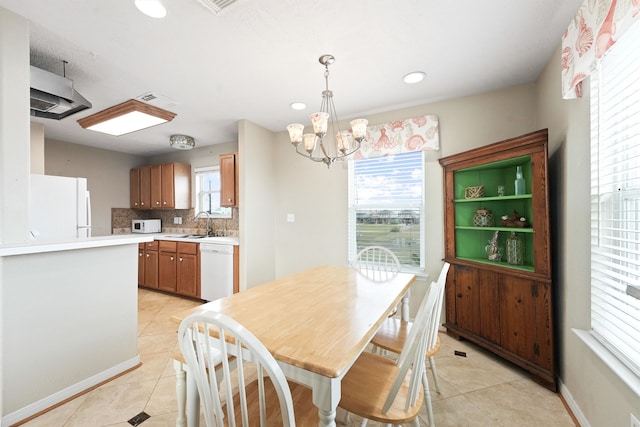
(107, 174)
(318, 196)
(599, 397)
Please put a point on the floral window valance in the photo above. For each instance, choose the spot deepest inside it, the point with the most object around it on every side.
(401, 136)
(596, 27)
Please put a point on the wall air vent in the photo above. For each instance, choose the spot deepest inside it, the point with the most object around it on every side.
(216, 6)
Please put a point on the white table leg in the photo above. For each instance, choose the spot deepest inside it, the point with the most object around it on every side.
(404, 310)
(181, 393)
(326, 396)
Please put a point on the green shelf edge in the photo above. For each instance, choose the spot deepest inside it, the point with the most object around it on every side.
(494, 198)
(514, 229)
(526, 268)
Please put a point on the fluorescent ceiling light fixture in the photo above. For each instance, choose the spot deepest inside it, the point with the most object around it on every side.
(152, 8)
(130, 116)
(415, 77)
(298, 105)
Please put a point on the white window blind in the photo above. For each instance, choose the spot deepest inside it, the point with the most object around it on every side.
(386, 206)
(615, 200)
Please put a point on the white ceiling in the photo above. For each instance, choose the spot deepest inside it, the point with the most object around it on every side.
(257, 56)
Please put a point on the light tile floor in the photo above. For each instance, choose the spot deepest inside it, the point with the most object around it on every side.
(477, 390)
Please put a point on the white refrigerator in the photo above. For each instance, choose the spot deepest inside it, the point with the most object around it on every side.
(59, 208)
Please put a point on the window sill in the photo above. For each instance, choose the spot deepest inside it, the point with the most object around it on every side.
(625, 374)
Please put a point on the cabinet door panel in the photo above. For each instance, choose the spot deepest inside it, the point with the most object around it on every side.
(544, 325)
(145, 187)
(467, 299)
(167, 190)
(488, 281)
(517, 316)
(187, 275)
(167, 271)
(134, 189)
(141, 257)
(156, 187)
(228, 182)
(151, 269)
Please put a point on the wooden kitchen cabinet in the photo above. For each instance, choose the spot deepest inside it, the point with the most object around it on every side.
(166, 186)
(167, 266)
(148, 266)
(505, 308)
(229, 180)
(188, 270)
(179, 268)
(140, 188)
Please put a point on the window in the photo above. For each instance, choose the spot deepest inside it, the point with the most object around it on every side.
(208, 192)
(386, 206)
(615, 200)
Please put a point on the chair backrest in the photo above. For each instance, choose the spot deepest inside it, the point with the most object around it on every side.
(434, 323)
(415, 348)
(377, 263)
(209, 362)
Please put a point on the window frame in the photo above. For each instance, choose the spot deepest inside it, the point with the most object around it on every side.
(609, 267)
(198, 173)
(353, 207)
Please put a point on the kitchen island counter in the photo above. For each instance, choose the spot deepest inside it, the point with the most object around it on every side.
(69, 319)
(65, 245)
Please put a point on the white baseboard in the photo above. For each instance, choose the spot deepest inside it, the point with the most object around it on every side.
(66, 393)
(577, 412)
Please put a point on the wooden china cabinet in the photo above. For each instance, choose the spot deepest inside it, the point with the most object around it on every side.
(504, 304)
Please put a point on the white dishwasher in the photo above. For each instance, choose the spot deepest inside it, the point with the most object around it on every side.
(216, 271)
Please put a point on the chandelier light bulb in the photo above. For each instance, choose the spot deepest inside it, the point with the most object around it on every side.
(309, 142)
(320, 122)
(295, 133)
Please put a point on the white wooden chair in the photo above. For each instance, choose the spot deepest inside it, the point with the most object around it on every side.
(386, 390)
(229, 396)
(392, 335)
(380, 264)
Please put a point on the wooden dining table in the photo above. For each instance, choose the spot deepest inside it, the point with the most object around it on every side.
(315, 323)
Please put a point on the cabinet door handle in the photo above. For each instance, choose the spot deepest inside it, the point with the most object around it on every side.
(171, 258)
(180, 259)
(141, 203)
(164, 203)
(140, 253)
(148, 255)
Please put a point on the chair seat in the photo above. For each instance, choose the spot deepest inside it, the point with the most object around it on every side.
(393, 333)
(366, 387)
(306, 414)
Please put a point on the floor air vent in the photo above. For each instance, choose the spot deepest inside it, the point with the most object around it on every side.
(216, 6)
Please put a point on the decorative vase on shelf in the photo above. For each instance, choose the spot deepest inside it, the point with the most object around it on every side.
(519, 182)
(483, 218)
(514, 249)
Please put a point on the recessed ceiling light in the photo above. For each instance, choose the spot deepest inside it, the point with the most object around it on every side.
(415, 77)
(152, 8)
(298, 105)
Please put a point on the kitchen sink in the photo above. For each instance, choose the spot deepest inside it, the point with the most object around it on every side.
(186, 236)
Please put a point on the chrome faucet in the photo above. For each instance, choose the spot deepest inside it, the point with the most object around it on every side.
(208, 220)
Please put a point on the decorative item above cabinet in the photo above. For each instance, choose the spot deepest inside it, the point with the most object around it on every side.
(166, 186)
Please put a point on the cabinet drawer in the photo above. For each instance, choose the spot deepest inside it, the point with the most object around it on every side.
(187, 248)
(167, 246)
(151, 246)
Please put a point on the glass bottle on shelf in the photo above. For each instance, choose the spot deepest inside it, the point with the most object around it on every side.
(514, 249)
(519, 182)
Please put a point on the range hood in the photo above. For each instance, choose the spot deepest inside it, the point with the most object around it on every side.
(53, 96)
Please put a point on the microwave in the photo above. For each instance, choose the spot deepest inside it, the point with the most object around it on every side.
(146, 226)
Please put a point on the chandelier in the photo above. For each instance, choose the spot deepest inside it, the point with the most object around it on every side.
(327, 143)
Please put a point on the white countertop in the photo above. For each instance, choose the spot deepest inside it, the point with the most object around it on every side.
(34, 247)
(179, 238)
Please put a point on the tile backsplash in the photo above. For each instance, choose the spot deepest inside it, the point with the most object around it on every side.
(121, 221)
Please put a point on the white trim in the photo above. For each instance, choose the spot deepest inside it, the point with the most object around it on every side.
(625, 374)
(573, 405)
(66, 393)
